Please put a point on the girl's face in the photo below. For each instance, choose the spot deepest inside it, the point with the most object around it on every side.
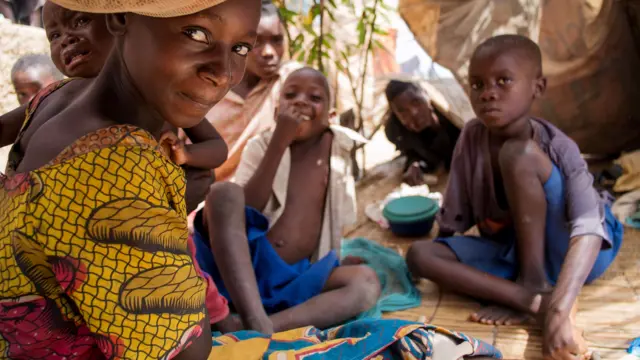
(183, 66)
(414, 110)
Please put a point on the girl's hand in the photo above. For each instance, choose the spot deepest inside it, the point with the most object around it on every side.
(174, 147)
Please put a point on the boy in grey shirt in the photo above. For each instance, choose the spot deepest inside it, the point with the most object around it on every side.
(544, 230)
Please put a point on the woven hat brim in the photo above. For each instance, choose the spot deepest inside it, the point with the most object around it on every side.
(152, 8)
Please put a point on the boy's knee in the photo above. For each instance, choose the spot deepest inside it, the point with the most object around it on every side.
(368, 286)
(521, 156)
(224, 192)
(418, 253)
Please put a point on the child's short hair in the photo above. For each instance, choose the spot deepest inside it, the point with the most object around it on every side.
(511, 42)
(36, 61)
(327, 87)
(270, 9)
(397, 87)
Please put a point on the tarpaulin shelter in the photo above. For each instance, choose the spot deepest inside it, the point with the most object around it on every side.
(590, 57)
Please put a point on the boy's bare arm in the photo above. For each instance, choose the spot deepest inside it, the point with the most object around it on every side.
(581, 256)
(10, 125)
(225, 222)
(257, 191)
(208, 150)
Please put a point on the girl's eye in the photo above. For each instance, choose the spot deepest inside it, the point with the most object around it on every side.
(476, 86)
(82, 21)
(53, 36)
(242, 50)
(289, 95)
(197, 35)
(504, 81)
(316, 98)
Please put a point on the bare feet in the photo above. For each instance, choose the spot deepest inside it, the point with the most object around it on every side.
(231, 323)
(502, 315)
(499, 315)
(262, 324)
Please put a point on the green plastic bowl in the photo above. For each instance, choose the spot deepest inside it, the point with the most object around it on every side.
(411, 216)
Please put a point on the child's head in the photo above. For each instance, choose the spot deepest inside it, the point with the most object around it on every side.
(177, 59)
(264, 60)
(79, 41)
(410, 105)
(505, 76)
(308, 90)
(31, 73)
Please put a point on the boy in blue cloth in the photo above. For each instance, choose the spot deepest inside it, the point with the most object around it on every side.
(275, 260)
(545, 231)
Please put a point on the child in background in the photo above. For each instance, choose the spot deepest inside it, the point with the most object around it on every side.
(419, 130)
(283, 273)
(545, 231)
(31, 73)
(249, 108)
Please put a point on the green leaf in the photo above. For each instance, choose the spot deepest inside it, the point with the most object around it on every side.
(299, 39)
(378, 45)
(330, 37)
(315, 10)
(330, 14)
(385, 6)
(300, 57)
(313, 54)
(380, 31)
(326, 43)
(287, 13)
(309, 28)
(295, 47)
(312, 58)
(362, 32)
(345, 56)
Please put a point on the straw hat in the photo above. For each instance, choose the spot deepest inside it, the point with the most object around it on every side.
(153, 8)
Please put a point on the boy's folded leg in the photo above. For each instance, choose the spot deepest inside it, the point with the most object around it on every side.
(224, 243)
(558, 236)
(297, 294)
(349, 291)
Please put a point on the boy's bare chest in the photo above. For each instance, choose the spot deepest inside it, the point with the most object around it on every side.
(297, 232)
(498, 183)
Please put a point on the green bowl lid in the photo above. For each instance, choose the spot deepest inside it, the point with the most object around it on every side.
(410, 209)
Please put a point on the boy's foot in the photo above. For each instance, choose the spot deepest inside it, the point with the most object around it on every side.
(499, 315)
(502, 315)
(231, 323)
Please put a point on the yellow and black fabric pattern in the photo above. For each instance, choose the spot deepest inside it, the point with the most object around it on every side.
(93, 253)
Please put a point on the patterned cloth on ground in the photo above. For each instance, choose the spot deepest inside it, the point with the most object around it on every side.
(398, 292)
(363, 339)
(94, 261)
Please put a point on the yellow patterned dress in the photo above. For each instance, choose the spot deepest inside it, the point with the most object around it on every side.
(94, 261)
